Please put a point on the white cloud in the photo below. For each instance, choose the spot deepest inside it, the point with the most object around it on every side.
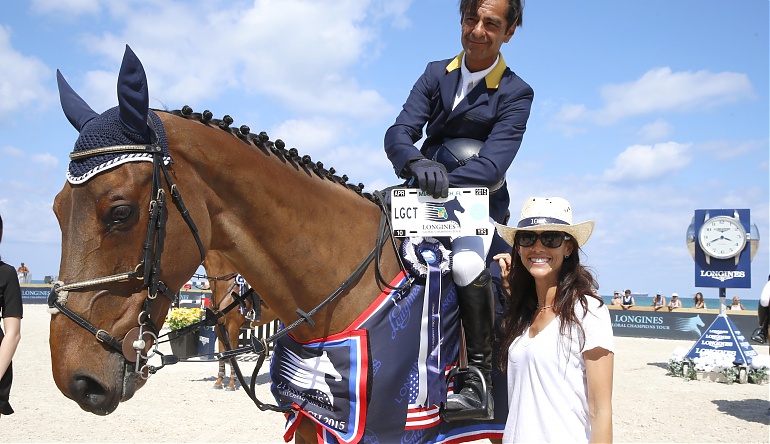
(12, 151)
(657, 130)
(301, 54)
(645, 162)
(66, 7)
(725, 149)
(21, 79)
(662, 90)
(311, 136)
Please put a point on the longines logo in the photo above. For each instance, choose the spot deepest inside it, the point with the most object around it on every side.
(723, 275)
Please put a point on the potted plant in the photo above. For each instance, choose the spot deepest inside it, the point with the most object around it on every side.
(184, 345)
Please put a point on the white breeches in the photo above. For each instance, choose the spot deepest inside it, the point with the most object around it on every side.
(469, 255)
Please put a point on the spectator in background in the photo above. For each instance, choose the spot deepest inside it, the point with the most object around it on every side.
(675, 302)
(737, 304)
(699, 301)
(10, 333)
(616, 298)
(23, 273)
(658, 302)
(627, 301)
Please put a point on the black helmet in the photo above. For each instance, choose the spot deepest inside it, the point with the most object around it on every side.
(455, 153)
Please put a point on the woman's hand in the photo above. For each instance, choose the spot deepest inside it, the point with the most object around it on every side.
(504, 259)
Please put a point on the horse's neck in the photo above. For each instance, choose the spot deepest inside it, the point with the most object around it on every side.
(294, 236)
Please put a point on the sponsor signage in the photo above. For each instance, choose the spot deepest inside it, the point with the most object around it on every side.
(723, 338)
(671, 325)
(465, 212)
(732, 272)
(35, 294)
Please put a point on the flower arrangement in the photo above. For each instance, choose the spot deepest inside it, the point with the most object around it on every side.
(182, 317)
(758, 372)
(676, 365)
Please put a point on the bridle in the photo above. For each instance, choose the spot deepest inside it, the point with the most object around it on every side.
(133, 346)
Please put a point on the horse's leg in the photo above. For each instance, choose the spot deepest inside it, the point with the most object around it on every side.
(221, 373)
(233, 324)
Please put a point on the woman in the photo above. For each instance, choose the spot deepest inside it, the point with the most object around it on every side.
(10, 334)
(737, 304)
(699, 301)
(658, 302)
(556, 337)
(675, 302)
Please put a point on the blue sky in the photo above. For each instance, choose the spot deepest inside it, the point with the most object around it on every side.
(643, 112)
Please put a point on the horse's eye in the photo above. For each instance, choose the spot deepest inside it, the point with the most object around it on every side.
(120, 214)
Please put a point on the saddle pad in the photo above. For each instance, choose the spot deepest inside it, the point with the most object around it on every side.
(413, 336)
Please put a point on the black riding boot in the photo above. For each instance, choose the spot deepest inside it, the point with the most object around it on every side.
(477, 311)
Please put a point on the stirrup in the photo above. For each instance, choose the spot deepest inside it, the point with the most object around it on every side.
(484, 412)
(251, 315)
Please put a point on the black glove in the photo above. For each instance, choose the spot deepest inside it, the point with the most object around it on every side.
(431, 176)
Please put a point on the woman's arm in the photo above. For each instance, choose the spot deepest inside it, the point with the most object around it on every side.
(599, 368)
(12, 329)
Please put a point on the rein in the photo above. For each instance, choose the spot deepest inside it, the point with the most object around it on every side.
(133, 346)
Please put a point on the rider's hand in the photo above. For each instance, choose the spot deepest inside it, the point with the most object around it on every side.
(431, 176)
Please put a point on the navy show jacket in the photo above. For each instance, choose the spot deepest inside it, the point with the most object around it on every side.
(495, 111)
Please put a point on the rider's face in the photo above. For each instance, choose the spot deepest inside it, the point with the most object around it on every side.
(484, 32)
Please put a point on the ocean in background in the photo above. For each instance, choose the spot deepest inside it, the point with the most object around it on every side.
(646, 301)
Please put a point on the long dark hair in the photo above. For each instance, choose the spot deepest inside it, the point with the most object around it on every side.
(575, 284)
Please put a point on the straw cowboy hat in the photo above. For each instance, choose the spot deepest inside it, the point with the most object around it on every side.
(547, 214)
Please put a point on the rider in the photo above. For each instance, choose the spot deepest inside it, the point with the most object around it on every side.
(471, 96)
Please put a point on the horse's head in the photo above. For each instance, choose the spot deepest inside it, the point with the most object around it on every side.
(121, 245)
(699, 322)
(454, 205)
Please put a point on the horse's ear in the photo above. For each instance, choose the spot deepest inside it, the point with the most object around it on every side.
(133, 97)
(75, 108)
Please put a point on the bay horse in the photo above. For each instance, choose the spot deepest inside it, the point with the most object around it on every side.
(311, 244)
(222, 279)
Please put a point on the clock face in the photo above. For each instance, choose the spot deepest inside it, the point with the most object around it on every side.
(722, 237)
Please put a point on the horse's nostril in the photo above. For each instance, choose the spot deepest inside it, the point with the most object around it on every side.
(91, 395)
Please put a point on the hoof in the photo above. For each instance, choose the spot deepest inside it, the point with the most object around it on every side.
(230, 389)
(217, 387)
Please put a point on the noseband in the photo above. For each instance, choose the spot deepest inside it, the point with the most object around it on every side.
(133, 346)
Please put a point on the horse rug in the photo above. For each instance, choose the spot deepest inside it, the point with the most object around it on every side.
(383, 379)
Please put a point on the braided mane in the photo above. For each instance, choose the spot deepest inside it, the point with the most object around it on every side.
(277, 147)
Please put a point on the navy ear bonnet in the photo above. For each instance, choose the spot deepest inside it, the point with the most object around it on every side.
(107, 130)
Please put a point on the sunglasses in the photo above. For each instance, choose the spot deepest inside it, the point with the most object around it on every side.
(549, 239)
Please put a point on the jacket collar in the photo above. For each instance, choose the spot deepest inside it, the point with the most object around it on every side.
(492, 79)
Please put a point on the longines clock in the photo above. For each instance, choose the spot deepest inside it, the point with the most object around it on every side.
(722, 237)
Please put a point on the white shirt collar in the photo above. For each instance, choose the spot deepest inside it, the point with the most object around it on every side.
(470, 79)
